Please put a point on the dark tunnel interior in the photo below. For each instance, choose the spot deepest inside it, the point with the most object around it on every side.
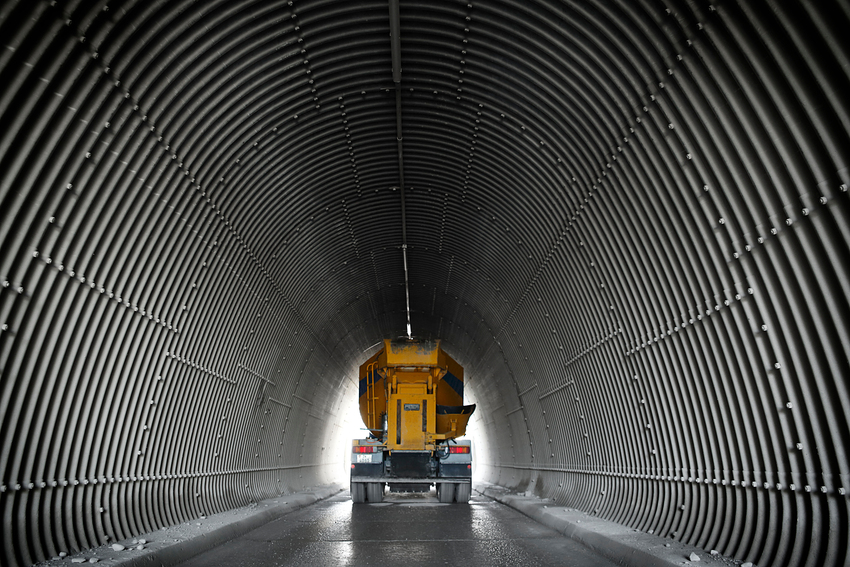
(627, 219)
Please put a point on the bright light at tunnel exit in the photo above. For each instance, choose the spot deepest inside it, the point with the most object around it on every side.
(351, 427)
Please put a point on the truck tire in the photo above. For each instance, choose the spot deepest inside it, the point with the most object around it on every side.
(446, 492)
(358, 492)
(463, 492)
(375, 492)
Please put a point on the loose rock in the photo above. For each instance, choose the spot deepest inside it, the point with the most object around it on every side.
(118, 547)
(747, 564)
(143, 541)
(77, 560)
(714, 552)
(694, 557)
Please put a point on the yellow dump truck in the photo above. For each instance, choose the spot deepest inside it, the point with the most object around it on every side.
(411, 400)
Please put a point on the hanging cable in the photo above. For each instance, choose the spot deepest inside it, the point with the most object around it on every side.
(395, 43)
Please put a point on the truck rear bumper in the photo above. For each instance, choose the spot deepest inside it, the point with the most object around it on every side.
(367, 470)
(455, 470)
(401, 480)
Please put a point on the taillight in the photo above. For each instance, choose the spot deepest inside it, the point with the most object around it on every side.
(459, 449)
(365, 449)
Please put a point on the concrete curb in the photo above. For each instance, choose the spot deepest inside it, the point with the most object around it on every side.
(173, 545)
(622, 545)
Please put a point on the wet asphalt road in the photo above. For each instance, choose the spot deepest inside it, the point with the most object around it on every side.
(405, 530)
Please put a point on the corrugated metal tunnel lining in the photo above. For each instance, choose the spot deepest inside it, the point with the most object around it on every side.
(627, 220)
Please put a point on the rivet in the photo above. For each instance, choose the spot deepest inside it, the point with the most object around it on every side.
(843, 188)
(777, 366)
(823, 200)
(789, 405)
(805, 213)
(799, 446)
(788, 222)
(773, 231)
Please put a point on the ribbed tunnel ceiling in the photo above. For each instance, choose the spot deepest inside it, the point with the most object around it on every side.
(628, 220)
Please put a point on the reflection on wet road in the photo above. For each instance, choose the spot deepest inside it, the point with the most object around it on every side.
(405, 529)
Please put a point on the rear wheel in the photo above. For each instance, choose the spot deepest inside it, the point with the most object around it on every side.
(464, 491)
(375, 492)
(446, 492)
(358, 492)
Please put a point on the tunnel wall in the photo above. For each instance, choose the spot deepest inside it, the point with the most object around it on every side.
(627, 220)
(154, 369)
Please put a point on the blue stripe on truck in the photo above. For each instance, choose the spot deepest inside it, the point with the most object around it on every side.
(454, 383)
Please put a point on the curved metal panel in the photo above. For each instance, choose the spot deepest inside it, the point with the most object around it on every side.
(627, 220)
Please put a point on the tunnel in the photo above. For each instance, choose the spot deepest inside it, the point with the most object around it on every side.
(627, 220)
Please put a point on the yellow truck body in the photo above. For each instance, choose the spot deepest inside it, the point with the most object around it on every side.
(407, 382)
(411, 400)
